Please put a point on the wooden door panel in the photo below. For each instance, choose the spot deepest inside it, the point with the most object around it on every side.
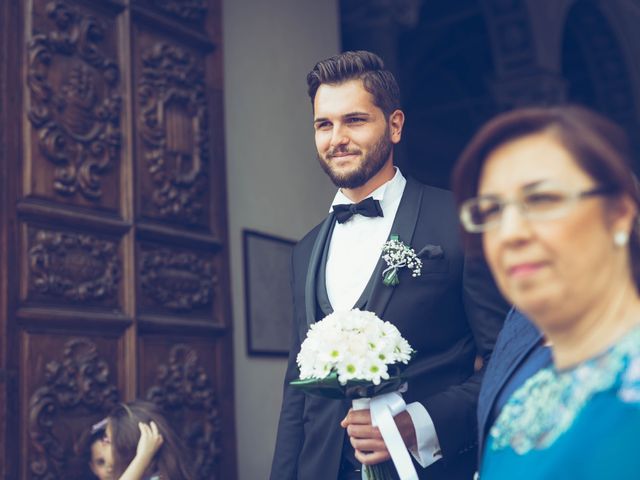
(75, 269)
(68, 384)
(172, 130)
(73, 104)
(180, 374)
(178, 282)
(113, 227)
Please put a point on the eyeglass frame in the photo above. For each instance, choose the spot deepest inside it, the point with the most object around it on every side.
(572, 199)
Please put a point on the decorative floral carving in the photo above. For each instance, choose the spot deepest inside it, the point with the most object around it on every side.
(81, 379)
(75, 100)
(173, 126)
(177, 280)
(74, 266)
(183, 385)
(193, 10)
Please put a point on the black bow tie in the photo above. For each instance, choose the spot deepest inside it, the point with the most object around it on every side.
(367, 207)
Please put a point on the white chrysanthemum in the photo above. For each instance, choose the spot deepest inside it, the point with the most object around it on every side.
(350, 369)
(355, 344)
(376, 370)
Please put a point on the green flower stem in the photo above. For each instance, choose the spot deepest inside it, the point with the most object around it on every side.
(380, 471)
(391, 278)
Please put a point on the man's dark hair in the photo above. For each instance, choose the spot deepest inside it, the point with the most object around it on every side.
(362, 65)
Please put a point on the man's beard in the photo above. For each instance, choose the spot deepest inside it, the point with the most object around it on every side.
(371, 164)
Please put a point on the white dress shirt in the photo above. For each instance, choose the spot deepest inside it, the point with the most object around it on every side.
(354, 251)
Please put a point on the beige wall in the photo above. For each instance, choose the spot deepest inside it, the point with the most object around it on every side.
(274, 182)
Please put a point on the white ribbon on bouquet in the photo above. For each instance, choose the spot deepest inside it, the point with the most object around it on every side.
(383, 409)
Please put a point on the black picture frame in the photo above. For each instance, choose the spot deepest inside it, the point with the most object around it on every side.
(268, 295)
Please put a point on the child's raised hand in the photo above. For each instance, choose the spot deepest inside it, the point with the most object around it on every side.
(150, 440)
(149, 443)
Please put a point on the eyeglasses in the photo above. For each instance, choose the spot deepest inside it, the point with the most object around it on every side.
(545, 201)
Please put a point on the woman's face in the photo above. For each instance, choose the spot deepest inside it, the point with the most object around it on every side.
(553, 265)
(101, 460)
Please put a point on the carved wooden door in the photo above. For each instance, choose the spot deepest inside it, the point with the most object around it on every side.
(114, 262)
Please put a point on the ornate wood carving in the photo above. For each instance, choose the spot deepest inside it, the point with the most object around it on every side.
(177, 280)
(75, 100)
(519, 80)
(183, 385)
(192, 10)
(173, 127)
(76, 314)
(72, 266)
(509, 25)
(81, 379)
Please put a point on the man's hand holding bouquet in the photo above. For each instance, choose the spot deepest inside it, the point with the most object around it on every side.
(355, 355)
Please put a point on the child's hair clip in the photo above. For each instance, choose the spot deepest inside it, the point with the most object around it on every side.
(101, 425)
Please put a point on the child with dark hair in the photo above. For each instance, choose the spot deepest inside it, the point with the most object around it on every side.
(96, 452)
(143, 444)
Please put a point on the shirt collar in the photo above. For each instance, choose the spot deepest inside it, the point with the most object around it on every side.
(386, 193)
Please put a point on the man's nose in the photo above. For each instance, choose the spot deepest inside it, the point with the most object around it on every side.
(338, 136)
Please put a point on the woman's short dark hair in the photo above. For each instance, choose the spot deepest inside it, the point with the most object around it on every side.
(362, 65)
(600, 147)
(170, 461)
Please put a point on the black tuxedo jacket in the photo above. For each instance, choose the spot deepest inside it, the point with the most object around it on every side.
(518, 337)
(449, 314)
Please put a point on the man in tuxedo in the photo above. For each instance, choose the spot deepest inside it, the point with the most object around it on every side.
(450, 314)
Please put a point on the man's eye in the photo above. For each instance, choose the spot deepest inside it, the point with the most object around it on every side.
(100, 462)
(353, 120)
(322, 125)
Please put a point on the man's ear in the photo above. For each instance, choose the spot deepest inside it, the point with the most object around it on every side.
(396, 122)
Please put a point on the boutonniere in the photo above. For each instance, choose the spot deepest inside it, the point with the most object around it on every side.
(398, 255)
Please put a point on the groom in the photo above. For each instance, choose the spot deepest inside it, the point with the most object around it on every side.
(449, 314)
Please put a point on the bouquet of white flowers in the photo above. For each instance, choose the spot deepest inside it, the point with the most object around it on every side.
(355, 355)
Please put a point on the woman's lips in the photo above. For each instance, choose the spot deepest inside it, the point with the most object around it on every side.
(524, 269)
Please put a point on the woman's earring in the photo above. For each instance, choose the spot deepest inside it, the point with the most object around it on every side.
(620, 238)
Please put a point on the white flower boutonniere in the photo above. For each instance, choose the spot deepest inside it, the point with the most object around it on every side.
(398, 255)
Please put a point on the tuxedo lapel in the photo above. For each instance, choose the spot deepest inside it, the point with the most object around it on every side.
(314, 261)
(403, 225)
